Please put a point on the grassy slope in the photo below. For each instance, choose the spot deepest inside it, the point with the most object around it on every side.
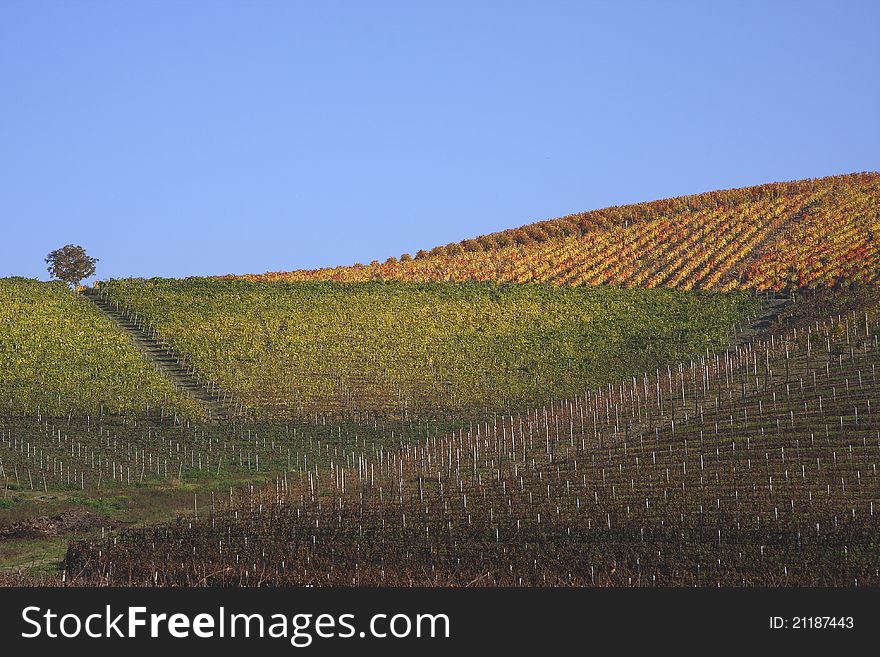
(299, 348)
(60, 355)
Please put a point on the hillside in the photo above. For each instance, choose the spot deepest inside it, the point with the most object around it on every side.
(59, 355)
(756, 466)
(401, 349)
(815, 233)
(438, 430)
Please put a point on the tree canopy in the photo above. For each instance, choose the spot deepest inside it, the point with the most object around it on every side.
(71, 264)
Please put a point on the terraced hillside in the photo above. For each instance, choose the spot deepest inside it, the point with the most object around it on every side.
(59, 355)
(400, 350)
(807, 234)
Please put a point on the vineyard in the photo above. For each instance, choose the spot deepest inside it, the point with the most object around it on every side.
(122, 454)
(676, 393)
(125, 470)
(782, 236)
(60, 356)
(753, 466)
(424, 350)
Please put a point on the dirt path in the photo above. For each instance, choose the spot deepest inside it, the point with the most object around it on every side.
(167, 362)
(772, 309)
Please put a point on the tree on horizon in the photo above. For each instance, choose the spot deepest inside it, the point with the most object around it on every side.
(71, 264)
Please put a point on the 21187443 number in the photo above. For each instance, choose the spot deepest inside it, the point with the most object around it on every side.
(812, 622)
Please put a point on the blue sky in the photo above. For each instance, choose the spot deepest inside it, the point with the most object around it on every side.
(194, 138)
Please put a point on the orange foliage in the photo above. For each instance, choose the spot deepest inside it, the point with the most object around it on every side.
(804, 234)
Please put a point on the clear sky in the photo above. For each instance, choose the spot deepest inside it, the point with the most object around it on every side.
(189, 138)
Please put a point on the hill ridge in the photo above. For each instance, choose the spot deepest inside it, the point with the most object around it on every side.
(811, 233)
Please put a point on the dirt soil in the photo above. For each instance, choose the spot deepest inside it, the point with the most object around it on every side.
(66, 522)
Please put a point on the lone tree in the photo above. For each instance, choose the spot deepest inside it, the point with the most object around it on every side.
(71, 264)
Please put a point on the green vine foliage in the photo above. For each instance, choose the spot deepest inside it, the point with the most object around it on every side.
(59, 355)
(403, 349)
